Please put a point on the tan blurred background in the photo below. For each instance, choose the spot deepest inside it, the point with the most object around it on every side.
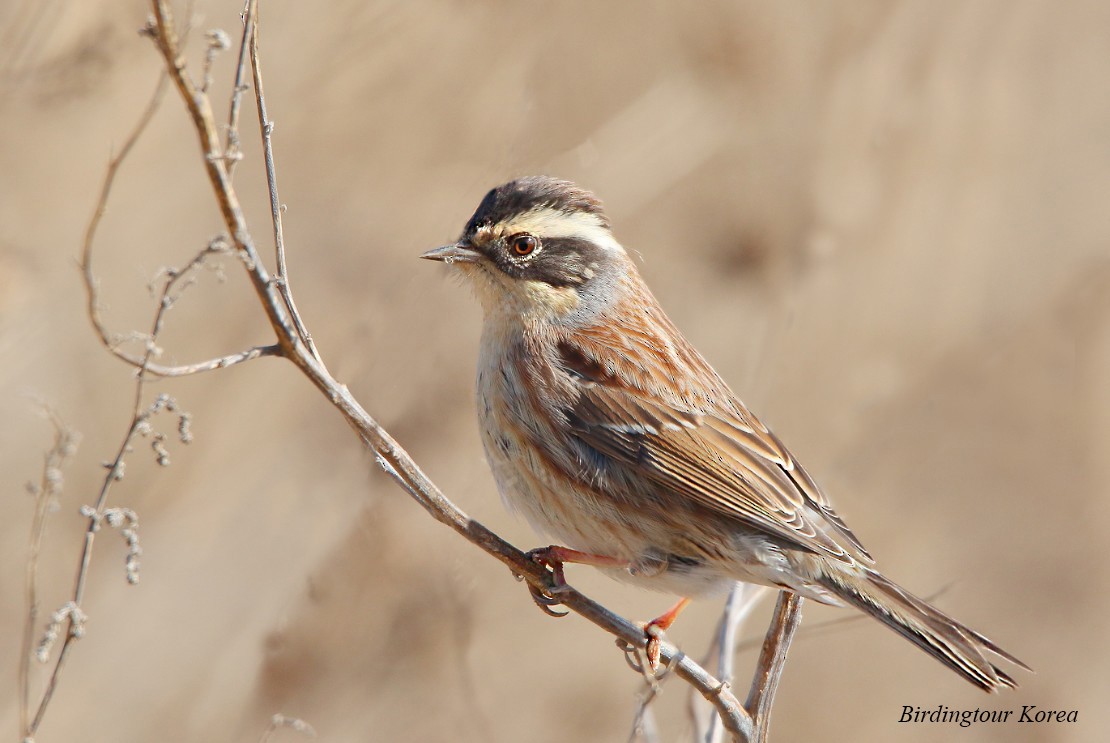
(885, 223)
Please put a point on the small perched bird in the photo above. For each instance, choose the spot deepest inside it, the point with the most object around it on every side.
(611, 434)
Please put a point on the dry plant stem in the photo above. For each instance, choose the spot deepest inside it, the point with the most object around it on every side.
(93, 296)
(114, 164)
(788, 614)
(742, 599)
(139, 415)
(232, 153)
(200, 110)
(92, 290)
(389, 453)
(644, 728)
(266, 127)
(45, 493)
(145, 367)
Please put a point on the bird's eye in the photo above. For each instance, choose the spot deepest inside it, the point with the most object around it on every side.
(524, 244)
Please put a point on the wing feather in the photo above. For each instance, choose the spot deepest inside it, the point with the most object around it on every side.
(721, 458)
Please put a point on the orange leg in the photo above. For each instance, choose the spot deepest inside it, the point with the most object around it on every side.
(553, 558)
(656, 627)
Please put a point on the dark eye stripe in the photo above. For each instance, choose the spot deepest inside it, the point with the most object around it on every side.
(565, 261)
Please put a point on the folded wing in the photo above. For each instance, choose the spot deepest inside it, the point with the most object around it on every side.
(722, 458)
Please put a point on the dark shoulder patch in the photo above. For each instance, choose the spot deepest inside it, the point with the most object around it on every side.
(580, 365)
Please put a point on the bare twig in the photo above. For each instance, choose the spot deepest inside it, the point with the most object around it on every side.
(200, 111)
(72, 613)
(742, 599)
(788, 614)
(232, 153)
(110, 341)
(218, 41)
(46, 493)
(644, 727)
(266, 127)
(408, 475)
(92, 293)
(184, 370)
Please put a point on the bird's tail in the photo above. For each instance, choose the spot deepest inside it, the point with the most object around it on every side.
(960, 648)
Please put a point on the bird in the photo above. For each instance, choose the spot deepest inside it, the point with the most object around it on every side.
(609, 433)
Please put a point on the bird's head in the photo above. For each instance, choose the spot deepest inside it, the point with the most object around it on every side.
(539, 248)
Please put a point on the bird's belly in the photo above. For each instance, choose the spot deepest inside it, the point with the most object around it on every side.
(552, 505)
(579, 509)
(582, 518)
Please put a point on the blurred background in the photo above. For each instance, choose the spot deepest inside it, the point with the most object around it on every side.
(885, 223)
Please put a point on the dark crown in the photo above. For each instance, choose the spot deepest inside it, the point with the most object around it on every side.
(532, 192)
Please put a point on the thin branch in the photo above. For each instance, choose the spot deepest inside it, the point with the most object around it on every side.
(93, 295)
(266, 127)
(46, 494)
(184, 370)
(232, 153)
(218, 41)
(72, 613)
(93, 306)
(200, 111)
(408, 475)
(788, 614)
(644, 727)
(742, 600)
(92, 289)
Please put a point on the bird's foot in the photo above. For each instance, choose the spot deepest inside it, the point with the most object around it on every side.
(655, 631)
(549, 558)
(552, 558)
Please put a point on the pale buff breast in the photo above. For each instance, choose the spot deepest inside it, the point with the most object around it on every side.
(527, 482)
(582, 518)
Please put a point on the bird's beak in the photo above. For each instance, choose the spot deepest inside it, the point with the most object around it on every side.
(451, 253)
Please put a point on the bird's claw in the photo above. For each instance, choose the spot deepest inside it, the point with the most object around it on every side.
(549, 558)
(632, 655)
(545, 601)
(639, 659)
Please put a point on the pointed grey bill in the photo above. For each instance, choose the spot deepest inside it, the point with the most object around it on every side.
(451, 253)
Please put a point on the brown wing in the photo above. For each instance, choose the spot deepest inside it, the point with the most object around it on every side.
(729, 464)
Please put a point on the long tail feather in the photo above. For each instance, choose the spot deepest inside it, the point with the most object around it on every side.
(960, 648)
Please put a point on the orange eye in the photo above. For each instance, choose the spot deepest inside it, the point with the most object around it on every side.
(524, 244)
